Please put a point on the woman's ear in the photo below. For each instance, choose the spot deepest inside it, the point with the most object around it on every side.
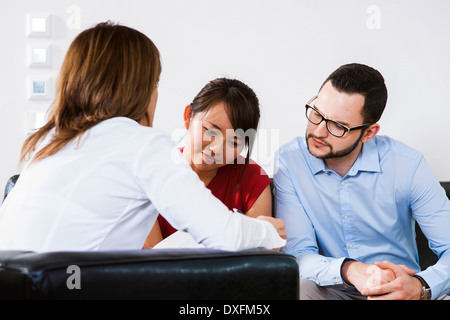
(371, 132)
(187, 116)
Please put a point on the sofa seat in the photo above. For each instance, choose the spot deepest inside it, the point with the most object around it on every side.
(185, 274)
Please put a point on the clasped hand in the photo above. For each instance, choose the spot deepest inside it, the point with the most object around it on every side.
(382, 280)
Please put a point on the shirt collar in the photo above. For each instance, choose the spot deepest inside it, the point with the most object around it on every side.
(368, 160)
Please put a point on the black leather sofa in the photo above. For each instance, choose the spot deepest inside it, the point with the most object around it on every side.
(186, 274)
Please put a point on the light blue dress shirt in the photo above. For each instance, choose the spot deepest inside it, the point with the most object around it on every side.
(368, 215)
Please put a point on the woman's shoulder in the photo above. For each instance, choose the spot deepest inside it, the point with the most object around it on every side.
(127, 134)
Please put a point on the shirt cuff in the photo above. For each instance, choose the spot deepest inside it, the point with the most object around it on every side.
(433, 282)
(324, 272)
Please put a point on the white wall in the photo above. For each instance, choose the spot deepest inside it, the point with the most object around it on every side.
(283, 49)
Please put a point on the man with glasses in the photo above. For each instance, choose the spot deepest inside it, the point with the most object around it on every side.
(350, 198)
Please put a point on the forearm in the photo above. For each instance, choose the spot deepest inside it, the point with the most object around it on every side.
(345, 270)
(438, 276)
(324, 271)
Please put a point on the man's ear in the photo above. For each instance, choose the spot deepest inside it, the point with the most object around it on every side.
(370, 132)
(187, 116)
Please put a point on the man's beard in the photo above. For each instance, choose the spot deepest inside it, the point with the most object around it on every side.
(332, 154)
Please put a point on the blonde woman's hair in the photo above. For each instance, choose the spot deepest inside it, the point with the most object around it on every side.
(109, 71)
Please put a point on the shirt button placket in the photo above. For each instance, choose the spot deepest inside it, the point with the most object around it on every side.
(347, 227)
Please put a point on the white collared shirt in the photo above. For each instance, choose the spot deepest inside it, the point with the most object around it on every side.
(104, 192)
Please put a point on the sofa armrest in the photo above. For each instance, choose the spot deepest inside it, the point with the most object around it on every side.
(149, 274)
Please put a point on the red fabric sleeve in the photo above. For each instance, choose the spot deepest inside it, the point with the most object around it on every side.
(253, 183)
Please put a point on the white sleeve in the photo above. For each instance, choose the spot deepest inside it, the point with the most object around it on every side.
(179, 195)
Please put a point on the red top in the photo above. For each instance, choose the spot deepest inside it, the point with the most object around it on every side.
(223, 187)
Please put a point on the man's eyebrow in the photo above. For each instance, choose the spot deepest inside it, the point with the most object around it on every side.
(340, 122)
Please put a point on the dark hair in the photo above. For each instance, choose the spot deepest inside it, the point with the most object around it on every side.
(241, 106)
(365, 80)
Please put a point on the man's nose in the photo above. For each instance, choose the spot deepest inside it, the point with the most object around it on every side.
(321, 130)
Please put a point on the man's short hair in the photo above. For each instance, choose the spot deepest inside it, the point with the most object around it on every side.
(359, 78)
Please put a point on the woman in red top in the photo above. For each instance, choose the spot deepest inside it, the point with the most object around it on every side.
(222, 121)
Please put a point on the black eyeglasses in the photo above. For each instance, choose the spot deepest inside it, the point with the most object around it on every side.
(335, 128)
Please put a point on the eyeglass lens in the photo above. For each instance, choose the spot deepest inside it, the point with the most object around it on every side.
(333, 127)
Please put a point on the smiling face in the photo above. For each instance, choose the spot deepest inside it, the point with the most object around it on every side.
(343, 108)
(211, 140)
